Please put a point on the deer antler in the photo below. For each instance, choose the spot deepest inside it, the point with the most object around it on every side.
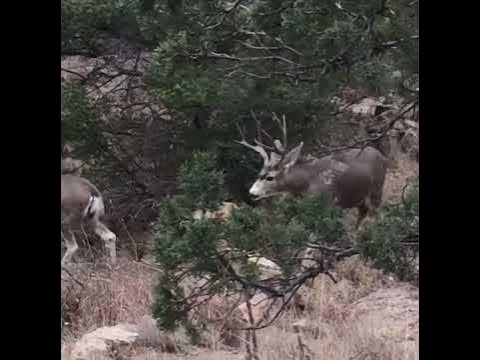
(283, 127)
(277, 151)
(279, 146)
(257, 148)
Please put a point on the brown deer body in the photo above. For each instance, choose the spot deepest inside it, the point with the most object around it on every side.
(355, 177)
(82, 204)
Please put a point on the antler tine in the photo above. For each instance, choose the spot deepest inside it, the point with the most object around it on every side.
(279, 146)
(268, 135)
(263, 145)
(258, 149)
(283, 127)
(242, 133)
(284, 130)
(261, 131)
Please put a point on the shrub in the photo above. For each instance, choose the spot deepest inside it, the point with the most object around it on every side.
(392, 241)
(191, 249)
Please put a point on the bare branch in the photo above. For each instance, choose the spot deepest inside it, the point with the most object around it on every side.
(279, 39)
(85, 53)
(224, 15)
(84, 78)
(215, 55)
(234, 6)
(365, 142)
(280, 9)
(392, 43)
(73, 277)
(267, 48)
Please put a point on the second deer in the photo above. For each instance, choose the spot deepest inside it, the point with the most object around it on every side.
(82, 205)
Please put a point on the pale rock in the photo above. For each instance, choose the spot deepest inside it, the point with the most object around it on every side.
(97, 344)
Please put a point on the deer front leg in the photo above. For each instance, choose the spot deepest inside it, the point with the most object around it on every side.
(110, 240)
(363, 210)
(72, 247)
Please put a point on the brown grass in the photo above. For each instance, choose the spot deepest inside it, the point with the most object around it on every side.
(108, 297)
(405, 171)
(125, 296)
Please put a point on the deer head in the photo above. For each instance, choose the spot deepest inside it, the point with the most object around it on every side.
(276, 165)
(271, 179)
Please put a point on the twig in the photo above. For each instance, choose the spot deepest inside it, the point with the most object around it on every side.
(365, 142)
(73, 277)
(223, 16)
(224, 56)
(134, 245)
(275, 317)
(83, 77)
(253, 335)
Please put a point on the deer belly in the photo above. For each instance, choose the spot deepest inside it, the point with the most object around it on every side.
(352, 191)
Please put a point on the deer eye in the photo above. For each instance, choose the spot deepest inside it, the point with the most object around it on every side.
(269, 178)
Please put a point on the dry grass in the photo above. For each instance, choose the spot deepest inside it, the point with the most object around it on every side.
(330, 334)
(125, 296)
(406, 170)
(108, 297)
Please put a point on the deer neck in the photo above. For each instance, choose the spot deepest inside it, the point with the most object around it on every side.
(298, 179)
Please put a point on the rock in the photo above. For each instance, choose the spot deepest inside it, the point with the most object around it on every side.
(98, 344)
(262, 306)
(392, 313)
(365, 107)
(411, 123)
(267, 268)
(222, 214)
(149, 335)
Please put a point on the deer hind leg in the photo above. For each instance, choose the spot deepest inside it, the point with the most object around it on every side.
(72, 247)
(109, 238)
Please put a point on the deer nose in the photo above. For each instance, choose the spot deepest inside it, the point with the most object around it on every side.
(255, 189)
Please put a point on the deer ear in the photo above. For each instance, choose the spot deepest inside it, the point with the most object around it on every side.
(291, 158)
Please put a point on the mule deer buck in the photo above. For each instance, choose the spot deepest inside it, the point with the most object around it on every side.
(355, 177)
(82, 204)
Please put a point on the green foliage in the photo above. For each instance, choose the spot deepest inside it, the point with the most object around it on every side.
(179, 238)
(240, 169)
(186, 246)
(79, 124)
(209, 57)
(392, 241)
(285, 56)
(201, 181)
(171, 294)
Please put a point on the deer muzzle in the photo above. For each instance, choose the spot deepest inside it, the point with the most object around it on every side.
(257, 189)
